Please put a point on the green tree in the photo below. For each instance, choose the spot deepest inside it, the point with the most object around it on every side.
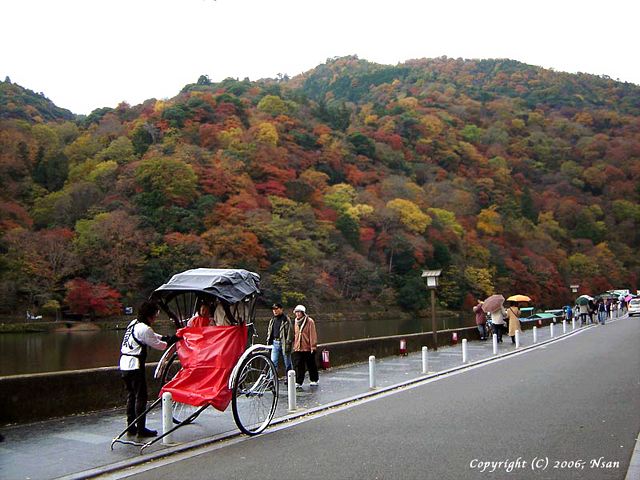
(412, 294)
(120, 150)
(203, 80)
(350, 229)
(273, 105)
(168, 180)
(142, 139)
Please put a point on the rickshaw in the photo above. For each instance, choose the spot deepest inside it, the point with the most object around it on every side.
(218, 364)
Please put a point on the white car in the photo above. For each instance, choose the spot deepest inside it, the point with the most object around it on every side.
(634, 306)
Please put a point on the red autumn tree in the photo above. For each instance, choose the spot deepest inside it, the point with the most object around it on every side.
(94, 299)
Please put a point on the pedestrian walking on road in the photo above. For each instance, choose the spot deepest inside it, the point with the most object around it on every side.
(305, 343)
(138, 336)
(568, 313)
(584, 312)
(513, 312)
(280, 335)
(602, 312)
(609, 308)
(497, 319)
(481, 320)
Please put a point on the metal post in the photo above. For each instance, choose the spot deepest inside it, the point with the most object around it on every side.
(167, 417)
(465, 357)
(517, 338)
(291, 390)
(551, 329)
(372, 372)
(564, 326)
(434, 328)
(425, 360)
(535, 334)
(573, 324)
(495, 343)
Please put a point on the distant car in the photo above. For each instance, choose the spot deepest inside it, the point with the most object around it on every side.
(634, 306)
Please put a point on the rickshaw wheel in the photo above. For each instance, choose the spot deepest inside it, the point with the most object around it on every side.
(181, 411)
(255, 394)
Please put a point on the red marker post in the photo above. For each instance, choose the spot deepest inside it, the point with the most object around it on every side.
(326, 364)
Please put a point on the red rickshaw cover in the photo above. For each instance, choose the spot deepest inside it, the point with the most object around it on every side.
(207, 356)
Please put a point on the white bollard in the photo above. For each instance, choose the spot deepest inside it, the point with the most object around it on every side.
(372, 372)
(425, 360)
(167, 417)
(517, 338)
(573, 324)
(465, 356)
(564, 326)
(535, 334)
(495, 343)
(291, 390)
(551, 329)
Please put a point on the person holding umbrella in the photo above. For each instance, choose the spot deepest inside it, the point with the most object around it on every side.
(513, 312)
(481, 320)
(583, 305)
(493, 306)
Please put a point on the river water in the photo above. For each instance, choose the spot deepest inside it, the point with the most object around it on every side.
(74, 350)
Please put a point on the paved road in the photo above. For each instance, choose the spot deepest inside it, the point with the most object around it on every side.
(576, 400)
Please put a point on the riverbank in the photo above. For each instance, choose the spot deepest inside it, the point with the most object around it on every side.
(345, 313)
(27, 398)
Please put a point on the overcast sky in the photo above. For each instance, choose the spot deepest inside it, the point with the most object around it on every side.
(87, 54)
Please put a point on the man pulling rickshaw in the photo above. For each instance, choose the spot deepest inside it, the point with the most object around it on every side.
(215, 364)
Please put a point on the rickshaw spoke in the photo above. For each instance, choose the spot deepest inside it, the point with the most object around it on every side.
(255, 394)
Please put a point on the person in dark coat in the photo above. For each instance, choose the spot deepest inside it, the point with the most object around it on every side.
(280, 335)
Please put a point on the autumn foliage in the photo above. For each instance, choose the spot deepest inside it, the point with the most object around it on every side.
(96, 300)
(342, 183)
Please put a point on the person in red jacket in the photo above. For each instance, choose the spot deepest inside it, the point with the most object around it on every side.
(481, 320)
(305, 344)
(203, 318)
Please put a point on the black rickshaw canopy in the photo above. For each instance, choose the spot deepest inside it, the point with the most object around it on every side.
(231, 285)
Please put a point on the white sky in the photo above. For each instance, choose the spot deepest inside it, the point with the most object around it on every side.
(87, 54)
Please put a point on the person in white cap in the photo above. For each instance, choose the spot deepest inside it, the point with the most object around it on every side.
(305, 344)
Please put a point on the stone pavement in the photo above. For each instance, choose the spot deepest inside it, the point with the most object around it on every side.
(79, 446)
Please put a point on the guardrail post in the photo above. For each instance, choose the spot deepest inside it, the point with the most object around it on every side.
(535, 334)
(495, 343)
(551, 329)
(517, 338)
(425, 360)
(372, 371)
(465, 356)
(167, 417)
(291, 390)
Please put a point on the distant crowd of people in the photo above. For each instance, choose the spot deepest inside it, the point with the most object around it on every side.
(507, 320)
(595, 310)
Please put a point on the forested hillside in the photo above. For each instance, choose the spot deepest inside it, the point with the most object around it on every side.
(340, 184)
